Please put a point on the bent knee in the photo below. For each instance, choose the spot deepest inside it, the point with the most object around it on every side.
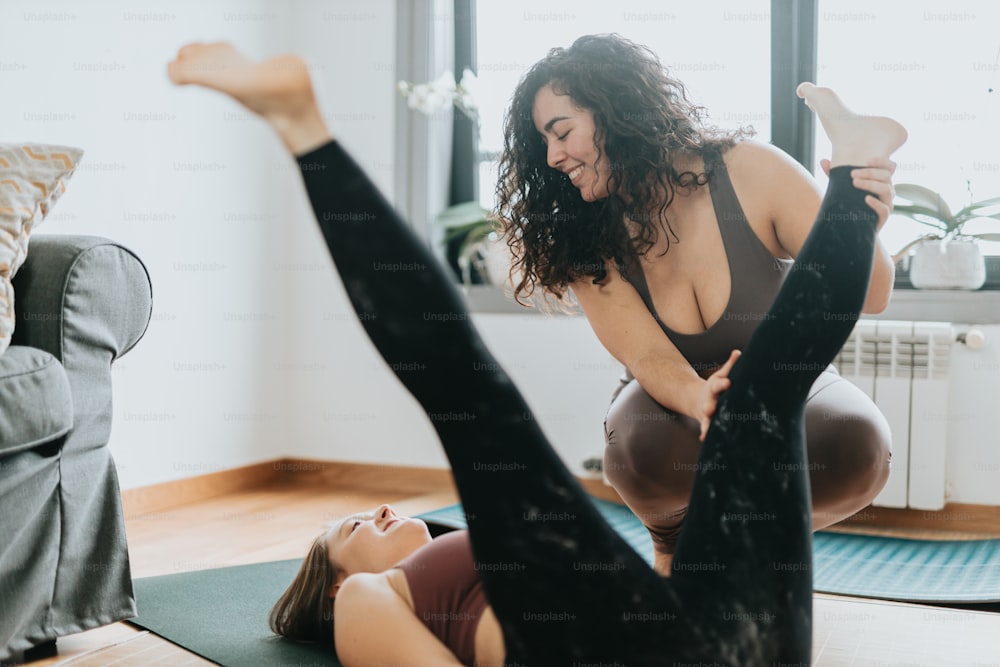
(871, 453)
(852, 459)
(651, 451)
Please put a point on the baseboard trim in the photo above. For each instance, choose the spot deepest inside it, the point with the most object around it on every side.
(596, 487)
(304, 473)
(408, 479)
(158, 497)
(301, 473)
(955, 517)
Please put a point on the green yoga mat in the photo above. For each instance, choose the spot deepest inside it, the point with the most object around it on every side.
(221, 614)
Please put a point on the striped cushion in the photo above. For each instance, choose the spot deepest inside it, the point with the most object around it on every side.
(32, 178)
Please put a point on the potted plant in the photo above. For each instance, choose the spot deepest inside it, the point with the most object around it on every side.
(472, 245)
(471, 237)
(945, 258)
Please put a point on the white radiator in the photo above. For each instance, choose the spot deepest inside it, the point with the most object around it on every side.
(904, 368)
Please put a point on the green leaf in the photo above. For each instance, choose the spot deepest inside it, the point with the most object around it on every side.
(995, 201)
(924, 197)
(995, 216)
(985, 237)
(973, 211)
(463, 214)
(911, 211)
(478, 227)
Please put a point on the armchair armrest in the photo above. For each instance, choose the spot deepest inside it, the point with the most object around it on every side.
(87, 301)
(81, 291)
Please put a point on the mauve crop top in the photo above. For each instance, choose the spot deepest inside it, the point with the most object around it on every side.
(447, 594)
(755, 277)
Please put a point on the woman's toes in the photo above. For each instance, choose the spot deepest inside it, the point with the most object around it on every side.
(189, 50)
(176, 71)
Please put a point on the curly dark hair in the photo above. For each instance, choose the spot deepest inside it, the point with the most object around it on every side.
(644, 120)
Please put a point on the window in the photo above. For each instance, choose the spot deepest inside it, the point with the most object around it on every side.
(719, 50)
(932, 65)
(935, 66)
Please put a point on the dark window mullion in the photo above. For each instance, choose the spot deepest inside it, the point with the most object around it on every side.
(465, 131)
(794, 27)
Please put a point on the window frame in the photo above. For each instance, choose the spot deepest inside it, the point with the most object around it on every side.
(794, 56)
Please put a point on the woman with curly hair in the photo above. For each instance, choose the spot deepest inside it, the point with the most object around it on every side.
(674, 237)
(558, 586)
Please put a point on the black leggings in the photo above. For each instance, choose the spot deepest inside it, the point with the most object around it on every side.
(565, 587)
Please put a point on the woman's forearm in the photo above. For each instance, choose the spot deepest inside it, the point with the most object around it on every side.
(673, 384)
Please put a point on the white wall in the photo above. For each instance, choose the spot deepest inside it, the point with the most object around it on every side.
(342, 403)
(973, 421)
(204, 194)
(254, 352)
(565, 374)
(561, 369)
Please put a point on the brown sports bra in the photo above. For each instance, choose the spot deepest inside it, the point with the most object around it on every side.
(447, 593)
(755, 277)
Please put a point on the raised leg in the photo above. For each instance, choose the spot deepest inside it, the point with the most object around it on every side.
(564, 585)
(744, 561)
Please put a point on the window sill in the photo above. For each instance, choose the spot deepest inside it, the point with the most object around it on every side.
(493, 300)
(960, 307)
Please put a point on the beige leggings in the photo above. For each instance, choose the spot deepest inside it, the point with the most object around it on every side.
(652, 455)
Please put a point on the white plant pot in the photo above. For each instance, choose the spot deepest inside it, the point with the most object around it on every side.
(496, 260)
(957, 264)
(491, 258)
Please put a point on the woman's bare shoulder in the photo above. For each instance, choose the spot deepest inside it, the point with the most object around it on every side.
(363, 587)
(366, 593)
(753, 154)
(366, 605)
(761, 169)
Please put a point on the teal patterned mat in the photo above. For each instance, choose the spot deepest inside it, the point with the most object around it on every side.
(857, 565)
(912, 570)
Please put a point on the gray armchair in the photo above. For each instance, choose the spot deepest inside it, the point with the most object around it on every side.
(81, 303)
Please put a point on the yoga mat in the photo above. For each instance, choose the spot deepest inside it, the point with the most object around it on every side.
(888, 568)
(891, 568)
(221, 614)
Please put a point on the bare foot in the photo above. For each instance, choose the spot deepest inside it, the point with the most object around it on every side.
(856, 138)
(278, 89)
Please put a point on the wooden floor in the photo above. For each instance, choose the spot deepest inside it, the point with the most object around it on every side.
(279, 521)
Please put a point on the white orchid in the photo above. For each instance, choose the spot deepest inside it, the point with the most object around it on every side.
(467, 93)
(441, 93)
(429, 97)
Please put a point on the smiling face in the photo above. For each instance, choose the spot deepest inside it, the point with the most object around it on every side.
(568, 132)
(374, 541)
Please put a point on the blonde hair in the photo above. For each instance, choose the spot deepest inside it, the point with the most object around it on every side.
(304, 612)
